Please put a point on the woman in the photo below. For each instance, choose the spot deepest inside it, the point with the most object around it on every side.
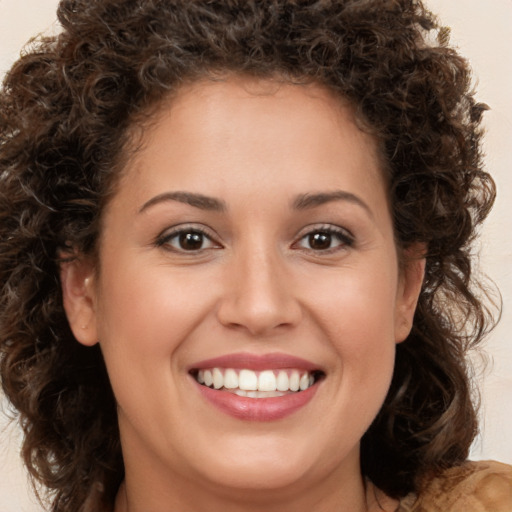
(235, 258)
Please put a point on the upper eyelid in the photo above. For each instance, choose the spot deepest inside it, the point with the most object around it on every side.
(346, 238)
(213, 236)
(332, 228)
(173, 231)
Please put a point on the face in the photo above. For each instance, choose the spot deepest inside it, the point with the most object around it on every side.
(249, 298)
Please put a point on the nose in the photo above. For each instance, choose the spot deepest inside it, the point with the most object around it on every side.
(258, 296)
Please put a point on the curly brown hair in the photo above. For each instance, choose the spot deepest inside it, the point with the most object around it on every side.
(66, 109)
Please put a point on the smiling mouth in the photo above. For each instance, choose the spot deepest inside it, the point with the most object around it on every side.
(257, 384)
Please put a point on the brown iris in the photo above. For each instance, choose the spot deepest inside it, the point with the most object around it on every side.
(191, 241)
(320, 241)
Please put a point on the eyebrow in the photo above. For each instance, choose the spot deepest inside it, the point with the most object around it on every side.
(307, 201)
(196, 200)
(301, 202)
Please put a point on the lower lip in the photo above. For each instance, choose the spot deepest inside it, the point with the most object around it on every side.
(257, 409)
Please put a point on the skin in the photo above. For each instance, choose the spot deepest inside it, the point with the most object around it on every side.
(255, 285)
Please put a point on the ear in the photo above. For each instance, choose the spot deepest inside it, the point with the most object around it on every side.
(77, 278)
(409, 288)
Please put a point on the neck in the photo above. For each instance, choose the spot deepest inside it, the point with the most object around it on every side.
(349, 495)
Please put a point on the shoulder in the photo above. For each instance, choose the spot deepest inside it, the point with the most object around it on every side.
(473, 487)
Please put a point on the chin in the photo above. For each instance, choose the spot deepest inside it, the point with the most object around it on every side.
(265, 475)
(261, 463)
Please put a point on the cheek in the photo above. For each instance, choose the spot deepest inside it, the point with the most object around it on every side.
(144, 321)
(358, 315)
(358, 307)
(146, 315)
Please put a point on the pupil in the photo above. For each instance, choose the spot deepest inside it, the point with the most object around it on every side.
(191, 241)
(320, 241)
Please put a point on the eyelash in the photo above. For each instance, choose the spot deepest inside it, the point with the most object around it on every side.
(345, 239)
(164, 240)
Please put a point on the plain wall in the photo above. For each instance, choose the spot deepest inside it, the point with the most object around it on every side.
(483, 32)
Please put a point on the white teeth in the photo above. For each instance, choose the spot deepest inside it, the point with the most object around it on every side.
(230, 379)
(263, 394)
(218, 378)
(267, 383)
(304, 382)
(248, 380)
(283, 382)
(208, 378)
(274, 393)
(294, 381)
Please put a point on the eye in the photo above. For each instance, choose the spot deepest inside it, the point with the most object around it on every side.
(187, 240)
(326, 239)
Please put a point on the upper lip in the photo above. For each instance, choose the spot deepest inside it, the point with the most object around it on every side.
(257, 362)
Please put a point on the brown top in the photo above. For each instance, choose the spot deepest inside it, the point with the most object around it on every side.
(474, 487)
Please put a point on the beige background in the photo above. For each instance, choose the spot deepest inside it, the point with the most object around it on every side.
(483, 32)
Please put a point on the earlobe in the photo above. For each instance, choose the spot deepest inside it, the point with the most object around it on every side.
(411, 281)
(79, 299)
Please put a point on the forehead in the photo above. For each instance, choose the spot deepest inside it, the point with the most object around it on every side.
(249, 126)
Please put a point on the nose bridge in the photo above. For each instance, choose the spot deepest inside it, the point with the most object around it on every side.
(259, 296)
